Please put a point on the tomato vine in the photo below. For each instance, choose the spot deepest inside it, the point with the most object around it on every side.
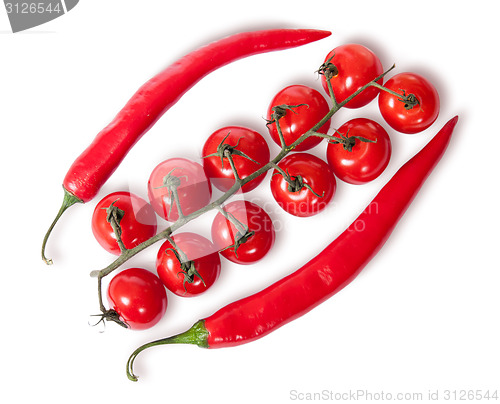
(239, 182)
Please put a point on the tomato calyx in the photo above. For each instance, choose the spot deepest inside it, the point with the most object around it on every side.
(172, 182)
(242, 235)
(110, 315)
(239, 239)
(348, 142)
(114, 213)
(114, 216)
(409, 100)
(280, 111)
(295, 182)
(225, 150)
(188, 268)
(328, 69)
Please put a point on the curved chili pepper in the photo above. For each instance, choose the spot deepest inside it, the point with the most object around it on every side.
(335, 267)
(95, 165)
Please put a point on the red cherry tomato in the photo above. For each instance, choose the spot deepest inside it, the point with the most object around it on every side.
(192, 186)
(300, 119)
(236, 245)
(355, 66)
(310, 186)
(139, 298)
(367, 160)
(200, 266)
(137, 221)
(249, 152)
(398, 115)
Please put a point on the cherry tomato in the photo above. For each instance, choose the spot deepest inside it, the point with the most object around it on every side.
(139, 298)
(135, 216)
(199, 269)
(309, 108)
(307, 186)
(188, 177)
(354, 66)
(370, 154)
(402, 116)
(238, 245)
(249, 152)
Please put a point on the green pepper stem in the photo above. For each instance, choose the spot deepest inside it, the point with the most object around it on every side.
(68, 200)
(196, 335)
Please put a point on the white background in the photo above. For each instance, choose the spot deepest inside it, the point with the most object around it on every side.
(422, 317)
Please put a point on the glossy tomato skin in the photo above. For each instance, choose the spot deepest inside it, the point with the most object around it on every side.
(138, 223)
(314, 172)
(418, 118)
(297, 122)
(367, 160)
(246, 140)
(256, 219)
(205, 258)
(194, 190)
(357, 65)
(139, 298)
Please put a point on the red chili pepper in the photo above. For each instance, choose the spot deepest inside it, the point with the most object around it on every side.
(335, 267)
(95, 165)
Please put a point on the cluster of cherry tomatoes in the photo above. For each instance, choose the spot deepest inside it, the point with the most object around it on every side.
(302, 184)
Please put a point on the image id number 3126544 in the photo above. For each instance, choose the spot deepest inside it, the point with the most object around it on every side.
(34, 8)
